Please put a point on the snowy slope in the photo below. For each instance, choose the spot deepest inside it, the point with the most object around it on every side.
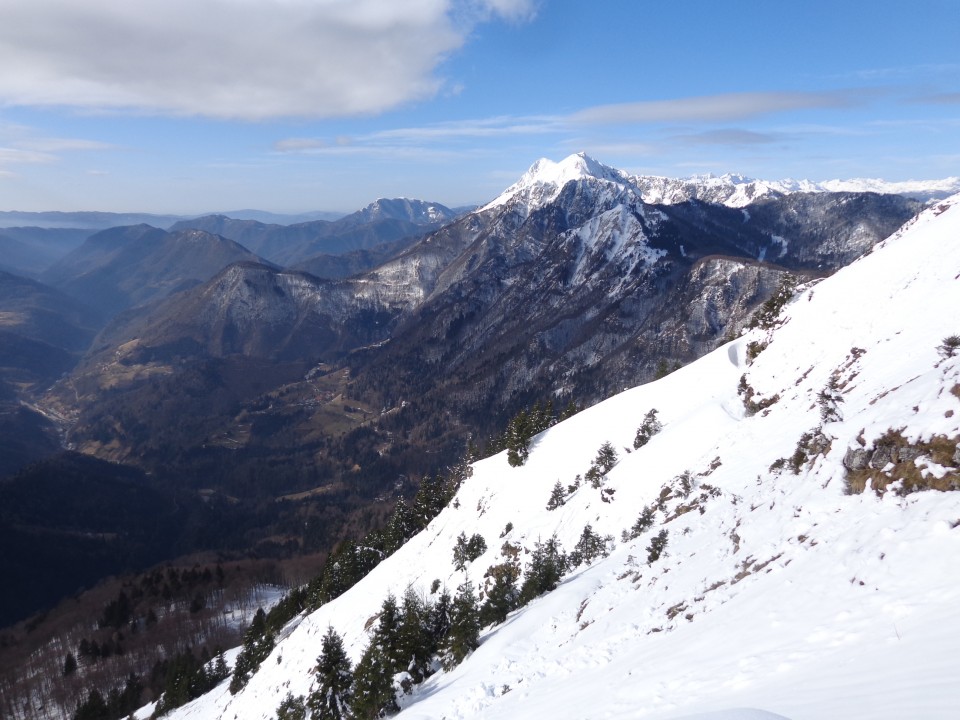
(778, 594)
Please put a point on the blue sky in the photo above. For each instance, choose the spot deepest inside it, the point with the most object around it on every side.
(192, 106)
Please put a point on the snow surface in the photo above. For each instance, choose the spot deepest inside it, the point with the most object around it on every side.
(778, 595)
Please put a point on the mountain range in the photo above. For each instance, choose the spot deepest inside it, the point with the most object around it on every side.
(568, 285)
(781, 543)
(285, 399)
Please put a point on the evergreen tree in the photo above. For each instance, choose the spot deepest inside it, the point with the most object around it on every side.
(465, 550)
(258, 643)
(650, 427)
(503, 596)
(386, 634)
(292, 708)
(547, 565)
(69, 664)
(93, 708)
(414, 646)
(519, 432)
(643, 523)
(464, 634)
(557, 497)
(432, 497)
(438, 621)
(373, 691)
(331, 700)
(402, 526)
(588, 547)
(656, 547)
(606, 458)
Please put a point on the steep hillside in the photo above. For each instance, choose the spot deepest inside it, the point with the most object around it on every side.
(803, 488)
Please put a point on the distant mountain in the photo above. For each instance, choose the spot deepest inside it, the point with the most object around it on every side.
(270, 218)
(739, 191)
(31, 250)
(383, 221)
(118, 268)
(83, 220)
(40, 312)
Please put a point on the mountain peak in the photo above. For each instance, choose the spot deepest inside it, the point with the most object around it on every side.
(545, 178)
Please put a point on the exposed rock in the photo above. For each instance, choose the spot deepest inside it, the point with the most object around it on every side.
(856, 459)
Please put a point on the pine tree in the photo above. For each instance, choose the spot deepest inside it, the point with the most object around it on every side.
(547, 565)
(373, 691)
(292, 708)
(656, 547)
(503, 596)
(69, 664)
(258, 643)
(414, 646)
(464, 634)
(438, 620)
(557, 497)
(588, 547)
(519, 432)
(402, 526)
(643, 523)
(650, 427)
(331, 700)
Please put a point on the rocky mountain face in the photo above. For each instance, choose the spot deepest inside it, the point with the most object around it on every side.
(567, 286)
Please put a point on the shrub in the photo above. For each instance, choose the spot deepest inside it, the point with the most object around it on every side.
(949, 346)
(656, 547)
(650, 427)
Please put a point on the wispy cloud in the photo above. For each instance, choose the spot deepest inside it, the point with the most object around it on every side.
(952, 98)
(227, 59)
(17, 156)
(717, 108)
(727, 136)
(495, 127)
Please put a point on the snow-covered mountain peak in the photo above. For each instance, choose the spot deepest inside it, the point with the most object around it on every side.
(546, 178)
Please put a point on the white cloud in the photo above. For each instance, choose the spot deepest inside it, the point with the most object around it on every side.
(249, 59)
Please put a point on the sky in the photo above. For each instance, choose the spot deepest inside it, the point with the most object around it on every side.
(195, 106)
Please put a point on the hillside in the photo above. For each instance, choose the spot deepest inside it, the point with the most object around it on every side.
(784, 586)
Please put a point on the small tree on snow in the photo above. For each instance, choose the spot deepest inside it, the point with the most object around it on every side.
(650, 427)
(557, 497)
(656, 547)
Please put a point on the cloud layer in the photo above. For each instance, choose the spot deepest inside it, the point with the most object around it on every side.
(241, 59)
